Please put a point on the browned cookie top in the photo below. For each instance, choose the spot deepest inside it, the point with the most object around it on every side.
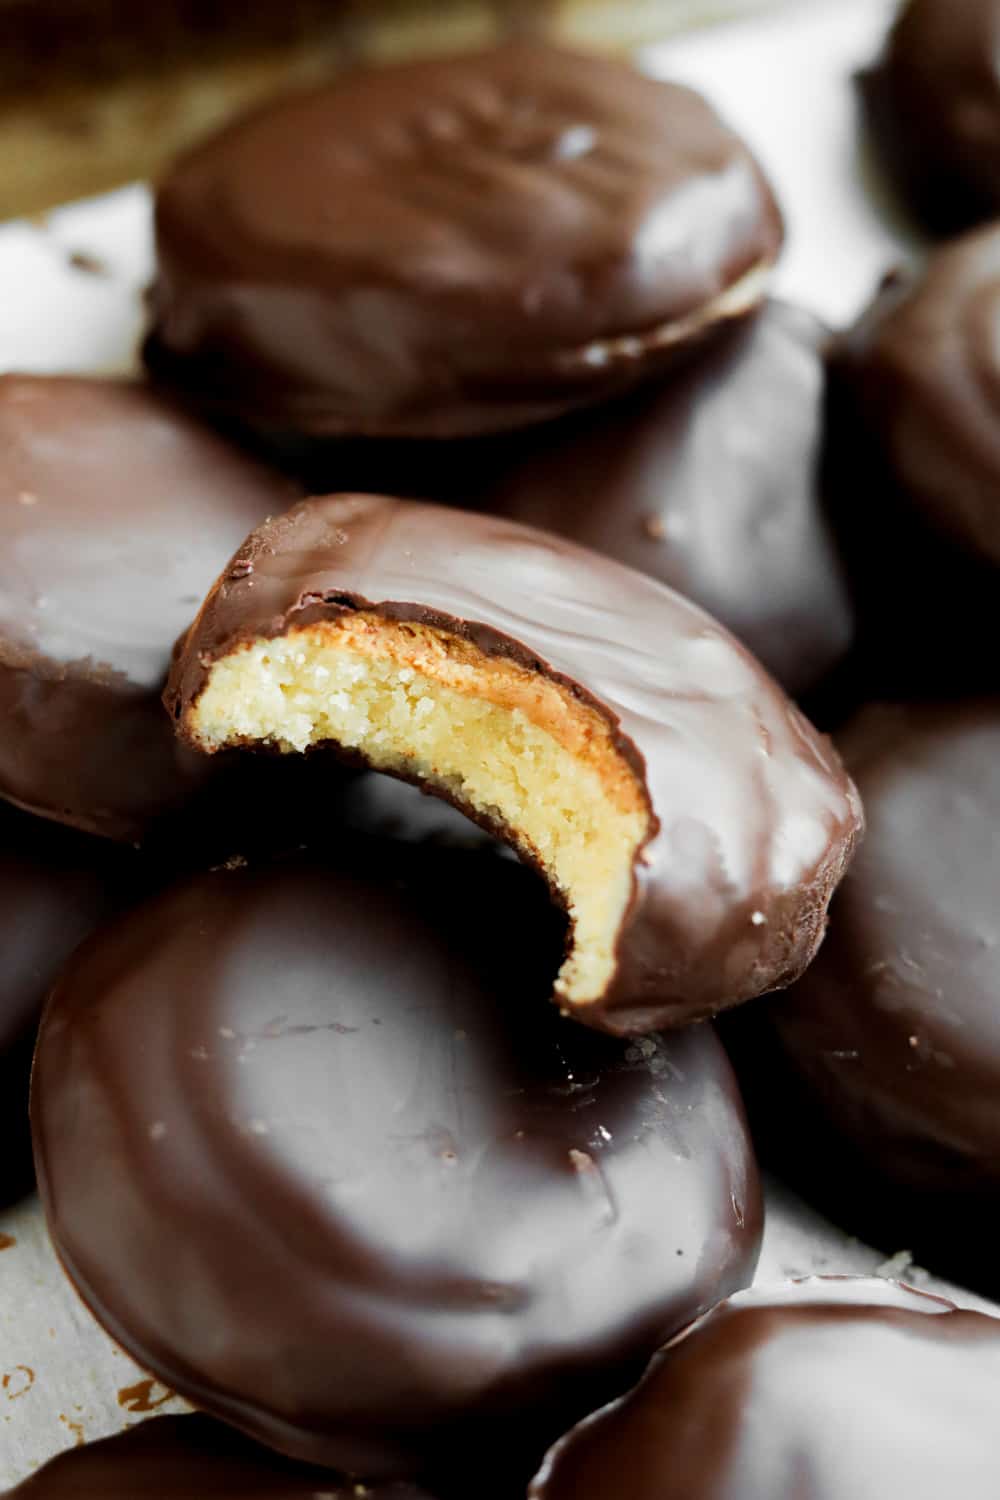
(453, 246)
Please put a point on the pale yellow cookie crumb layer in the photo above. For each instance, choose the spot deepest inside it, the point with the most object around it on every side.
(499, 738)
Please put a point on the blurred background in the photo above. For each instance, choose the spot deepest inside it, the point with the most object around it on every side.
(98, 92)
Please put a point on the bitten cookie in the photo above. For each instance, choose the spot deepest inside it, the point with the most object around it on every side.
(688, 818)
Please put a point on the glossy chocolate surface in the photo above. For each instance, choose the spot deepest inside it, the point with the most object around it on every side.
(55, 887)
(190, 1458)
(924, 369)
(890, 1045)
(710, 481)
(117, 512)
(908, 462)
(315, 1153)
(934, 104)
(828, 1389)
(756, 818)
(454, 246)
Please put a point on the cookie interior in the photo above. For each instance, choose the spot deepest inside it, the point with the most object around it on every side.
(502, 740)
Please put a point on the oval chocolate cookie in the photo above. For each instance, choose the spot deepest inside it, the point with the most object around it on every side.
(835, 1388)
(888, 1050)
(55, 887)
(685, 814)
(934, 102)
(117, 512)
(710, 480)
(314, 1153)
(190, 1458)
(454, 246)
(923, 368)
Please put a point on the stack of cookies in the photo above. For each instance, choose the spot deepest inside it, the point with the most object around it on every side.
(474, 455)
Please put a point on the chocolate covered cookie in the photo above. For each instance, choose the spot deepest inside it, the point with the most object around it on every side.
(190, 1458)
(116, 513)
(710, 481)
(934, 103)
(689, 819)
(827, 1389)
(923, 368)
(887, 1054)
(56, 886)
(314, 1153)
(456, 246)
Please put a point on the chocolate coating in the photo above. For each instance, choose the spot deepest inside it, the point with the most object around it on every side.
(828, 1389)
(55, 887)
(890, 1045)
(908, 465)
(710, 481)
(924, 369)
(311, 1151)
(934, 104)
(189, 1458)
(453, 246)
(755, 817)
(117, 511)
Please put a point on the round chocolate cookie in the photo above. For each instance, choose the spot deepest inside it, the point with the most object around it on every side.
(190, 1458)
(710, 481)
(934, 104)
(827, 1389)
(888, 1050)
(455, 246)
(118, 512)
(923, 368)
(55, 887)
(312, 1151)
(689, 819)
